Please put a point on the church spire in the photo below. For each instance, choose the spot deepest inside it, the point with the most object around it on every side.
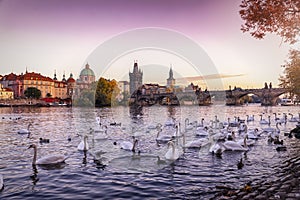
(171, 73)
(55, 76)
(64, 77)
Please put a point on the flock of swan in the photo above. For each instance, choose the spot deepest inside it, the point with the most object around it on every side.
(214, 135)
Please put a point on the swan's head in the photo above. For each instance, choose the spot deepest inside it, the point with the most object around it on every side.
(32, 146)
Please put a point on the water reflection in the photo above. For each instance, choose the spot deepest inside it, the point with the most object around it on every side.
(84, 159)
(195, 174)
(136, 111)
(34, 177)
(53, 166)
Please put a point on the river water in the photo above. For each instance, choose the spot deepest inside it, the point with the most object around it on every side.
(105, 171)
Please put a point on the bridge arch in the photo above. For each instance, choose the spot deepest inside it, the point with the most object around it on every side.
(267, 96)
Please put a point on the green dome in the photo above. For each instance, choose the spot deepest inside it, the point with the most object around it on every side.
(87, 71)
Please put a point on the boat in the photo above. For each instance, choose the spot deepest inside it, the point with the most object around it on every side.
(286, 102)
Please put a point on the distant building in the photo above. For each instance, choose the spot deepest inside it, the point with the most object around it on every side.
(135, 78)
(86, 78)
(124, 90)
(71, 85)
(171, 80)
(48, 86)
(6, 93)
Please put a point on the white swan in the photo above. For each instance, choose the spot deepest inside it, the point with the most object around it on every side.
(172, 153)
(162, 138)
(264, 121)
(216, 149)
(47, 160)
(271, 129)
(129, 146)
(293, 119)
(170, 122)
(188, 125)
(196, 143)
(234, 146)
(250, 118)
(1, 182)
(253, 134)
(25, 131)
(83, 145)
(245, 141)
(98, 119)
(202, 131)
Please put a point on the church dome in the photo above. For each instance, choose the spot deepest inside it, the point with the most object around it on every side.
(87, 71)
(71, 79)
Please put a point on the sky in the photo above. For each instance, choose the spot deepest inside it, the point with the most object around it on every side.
(44, 36)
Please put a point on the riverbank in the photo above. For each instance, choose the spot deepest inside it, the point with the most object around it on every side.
(285, 184)
(28, 103)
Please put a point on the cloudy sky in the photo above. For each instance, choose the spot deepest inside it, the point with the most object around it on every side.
(49, 35)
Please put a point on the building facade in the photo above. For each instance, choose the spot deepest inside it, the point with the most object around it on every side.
(124, 90)
(54, 88)
(6, 93)
(135, 78)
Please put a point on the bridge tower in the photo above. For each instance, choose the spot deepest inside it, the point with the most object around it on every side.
(135, 78)
(171, 79)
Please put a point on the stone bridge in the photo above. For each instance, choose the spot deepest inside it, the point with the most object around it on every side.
(154, 95)
(268, 96)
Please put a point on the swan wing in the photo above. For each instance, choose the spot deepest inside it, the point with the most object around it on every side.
(170, 155)
(126, 145)
(233, 146)
(164, 138)
(80, 146)
(51, 159)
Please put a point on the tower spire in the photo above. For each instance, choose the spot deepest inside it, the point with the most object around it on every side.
(55, 76)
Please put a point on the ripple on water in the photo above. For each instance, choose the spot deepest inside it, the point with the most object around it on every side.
(107, 172)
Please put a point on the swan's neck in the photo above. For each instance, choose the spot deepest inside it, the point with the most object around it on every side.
(277, 127)
(158, 132)
(245, 142)
(85, 143)
(134, 145)
(173, 149)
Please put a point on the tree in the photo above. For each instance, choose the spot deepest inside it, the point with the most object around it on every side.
(86, 98)
(106, 92)
(32, 92)
(281, 17)
(291, 78)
